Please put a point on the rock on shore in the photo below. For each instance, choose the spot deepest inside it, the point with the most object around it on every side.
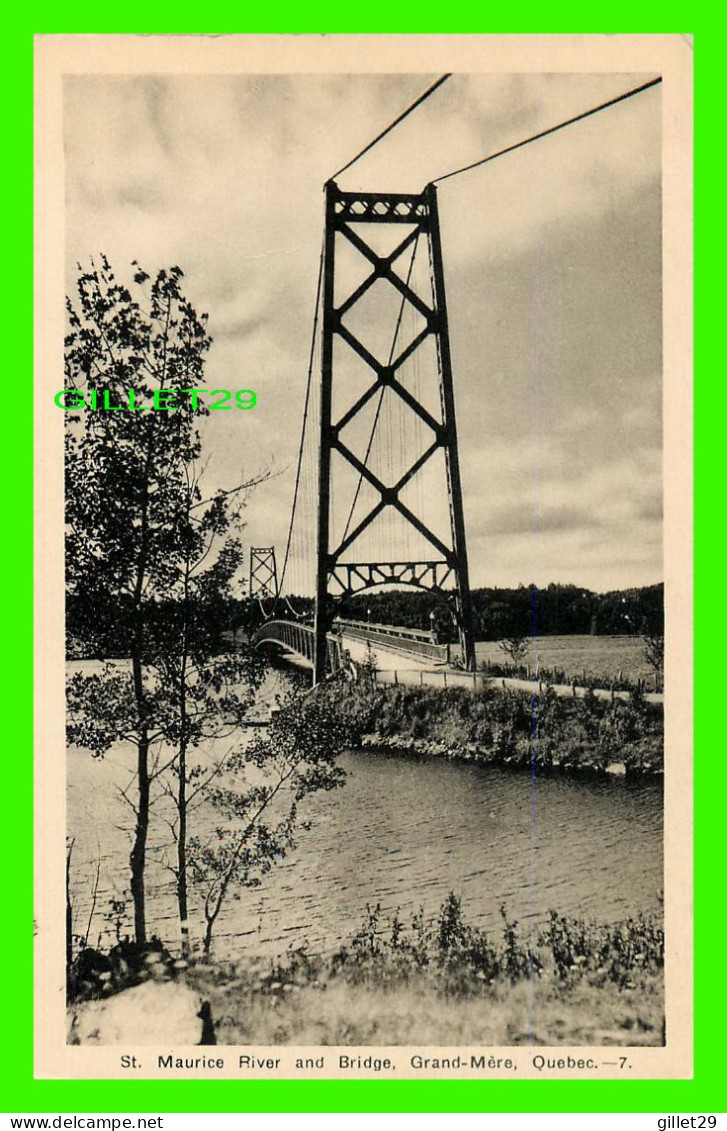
(152, 1013)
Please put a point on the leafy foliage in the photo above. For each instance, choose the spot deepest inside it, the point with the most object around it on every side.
(553, 610)
(617, 953)
(504, 726)
(266, 780)
(125, 471)
(149, 560)
(516, 647)
(464, 961)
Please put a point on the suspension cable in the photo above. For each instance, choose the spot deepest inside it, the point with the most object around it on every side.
(266, 616)
(551, 130)
(395, 123)
(297, 615)
(443, 177)
(303, 428)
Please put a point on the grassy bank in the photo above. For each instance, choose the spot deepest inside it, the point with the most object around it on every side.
(592, 661)
(441, 982)
(447, 983)
(496, 727)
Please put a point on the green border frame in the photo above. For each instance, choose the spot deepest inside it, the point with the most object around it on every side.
(23, 1093)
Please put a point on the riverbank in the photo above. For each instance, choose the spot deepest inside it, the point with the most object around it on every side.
(505, 727)
(347, 1015)
(440, 981)
(444, 982)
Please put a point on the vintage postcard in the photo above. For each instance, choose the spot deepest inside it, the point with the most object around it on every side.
(363, 387)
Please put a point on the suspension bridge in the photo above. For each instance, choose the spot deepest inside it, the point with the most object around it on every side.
(378, 499)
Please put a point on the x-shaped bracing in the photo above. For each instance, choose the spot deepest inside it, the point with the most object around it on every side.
(386, 378)
(383, 269)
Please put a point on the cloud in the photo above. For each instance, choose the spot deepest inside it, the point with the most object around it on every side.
(552, 260)
(507, 520)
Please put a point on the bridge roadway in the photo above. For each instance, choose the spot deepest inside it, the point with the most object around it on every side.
(392, 648)
(403, 656)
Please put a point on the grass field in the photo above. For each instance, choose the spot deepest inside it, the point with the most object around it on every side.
(605, 656)
(337, 1013)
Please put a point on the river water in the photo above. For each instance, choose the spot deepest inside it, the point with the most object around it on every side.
(404, 831)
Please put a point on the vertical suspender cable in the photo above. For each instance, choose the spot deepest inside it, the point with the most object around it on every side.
(305, 421)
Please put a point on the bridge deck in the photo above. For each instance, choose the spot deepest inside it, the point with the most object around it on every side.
(391, 648)
(398, 661)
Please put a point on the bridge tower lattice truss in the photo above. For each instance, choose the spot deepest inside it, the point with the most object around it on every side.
(352, 217)
(263, 572)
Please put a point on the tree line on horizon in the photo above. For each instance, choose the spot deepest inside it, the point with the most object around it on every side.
(527, 610)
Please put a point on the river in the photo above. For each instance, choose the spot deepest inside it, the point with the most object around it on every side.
(403, 831)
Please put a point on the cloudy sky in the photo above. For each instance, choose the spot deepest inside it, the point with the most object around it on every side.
(552, 258)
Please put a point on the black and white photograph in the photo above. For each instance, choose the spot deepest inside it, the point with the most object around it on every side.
(358, 403)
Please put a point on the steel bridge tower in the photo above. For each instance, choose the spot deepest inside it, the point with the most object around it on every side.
(263, 572)
(352, 217)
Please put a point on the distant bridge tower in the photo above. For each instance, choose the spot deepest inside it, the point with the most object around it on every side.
(359, 220)
(263, 572)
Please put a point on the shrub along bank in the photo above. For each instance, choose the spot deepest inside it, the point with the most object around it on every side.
(446, 982)
(439, 981)
(504, 727)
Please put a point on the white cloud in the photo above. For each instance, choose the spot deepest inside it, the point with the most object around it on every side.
(552, 261)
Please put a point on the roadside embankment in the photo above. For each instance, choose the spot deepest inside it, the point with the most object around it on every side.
(505, 727)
